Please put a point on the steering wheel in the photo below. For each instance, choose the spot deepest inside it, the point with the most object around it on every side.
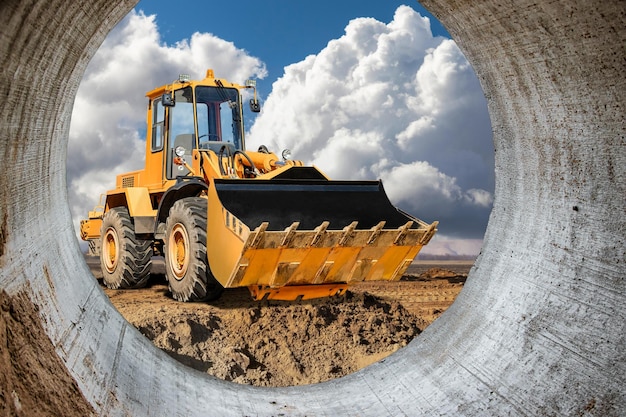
(220, 155)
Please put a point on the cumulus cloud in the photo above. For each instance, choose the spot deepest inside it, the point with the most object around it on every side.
(387, 101)
(107, 134)
(391, 101)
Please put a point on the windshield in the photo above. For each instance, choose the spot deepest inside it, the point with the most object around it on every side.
(219, 115)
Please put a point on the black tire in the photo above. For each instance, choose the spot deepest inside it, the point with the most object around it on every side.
(186, 265)
(125, 260)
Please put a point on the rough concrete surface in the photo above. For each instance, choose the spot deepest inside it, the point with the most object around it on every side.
(537, 330)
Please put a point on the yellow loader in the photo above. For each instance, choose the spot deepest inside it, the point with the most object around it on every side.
(223, 216)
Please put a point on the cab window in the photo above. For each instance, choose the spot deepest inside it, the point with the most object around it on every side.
(158, 125)
(219, 115)
(182, 131)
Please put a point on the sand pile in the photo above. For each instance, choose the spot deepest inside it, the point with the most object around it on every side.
(275, 343)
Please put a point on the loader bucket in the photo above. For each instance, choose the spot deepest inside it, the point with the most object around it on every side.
(305, 238)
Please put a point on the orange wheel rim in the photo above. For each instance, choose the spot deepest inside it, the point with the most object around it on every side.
(111, 250)
(178, 251)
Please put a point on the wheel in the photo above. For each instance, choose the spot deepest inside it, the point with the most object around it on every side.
(186, 266)
(125, 260)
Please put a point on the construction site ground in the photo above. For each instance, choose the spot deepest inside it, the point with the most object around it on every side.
(286, 343)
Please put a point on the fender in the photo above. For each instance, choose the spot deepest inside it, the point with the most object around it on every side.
(137, 200)
(184, 187)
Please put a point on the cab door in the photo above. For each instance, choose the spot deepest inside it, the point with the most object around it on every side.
(182, 132)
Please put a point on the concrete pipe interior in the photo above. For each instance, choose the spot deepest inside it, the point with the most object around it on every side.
(538, 329)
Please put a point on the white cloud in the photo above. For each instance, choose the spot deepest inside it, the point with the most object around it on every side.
(108, 121)
(391, 101)
(443, 245)
(479, 197)
(383, 101)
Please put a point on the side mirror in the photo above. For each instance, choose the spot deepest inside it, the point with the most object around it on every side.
(167, 100)
(255, 106)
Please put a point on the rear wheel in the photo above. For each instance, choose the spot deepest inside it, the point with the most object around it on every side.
(125, 260)
(186, 266)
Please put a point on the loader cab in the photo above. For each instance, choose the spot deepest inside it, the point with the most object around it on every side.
(198, 116)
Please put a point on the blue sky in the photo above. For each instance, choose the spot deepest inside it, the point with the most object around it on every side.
(280, 32)
(362, 90)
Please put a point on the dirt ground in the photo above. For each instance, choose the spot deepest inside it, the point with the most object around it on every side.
(33, 380)
(277, 343)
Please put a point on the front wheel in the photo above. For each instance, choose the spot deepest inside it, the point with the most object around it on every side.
(186, 266)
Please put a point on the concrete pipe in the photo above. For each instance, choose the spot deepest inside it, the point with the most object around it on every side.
(539, 328)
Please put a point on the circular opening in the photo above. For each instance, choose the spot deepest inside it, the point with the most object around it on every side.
(532, 333)
(327, 338)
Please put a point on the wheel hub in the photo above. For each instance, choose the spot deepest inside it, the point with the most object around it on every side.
(110, 250)
(178, 251)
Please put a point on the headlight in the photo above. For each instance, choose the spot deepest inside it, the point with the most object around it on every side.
(180, 151)
(286, 154)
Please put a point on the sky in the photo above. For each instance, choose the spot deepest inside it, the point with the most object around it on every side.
(362, 90)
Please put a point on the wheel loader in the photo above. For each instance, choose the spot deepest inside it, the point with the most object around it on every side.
(223, 216)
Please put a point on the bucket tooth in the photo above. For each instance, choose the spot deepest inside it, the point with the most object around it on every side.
(258, 237)
(289, 234)
(428, 234)
(241, 272)
(284, 271)
(375, 232)
(402, 231)
(319, 232)
(347, 233)
(361, 269)
(322, 273)
(401, 269)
